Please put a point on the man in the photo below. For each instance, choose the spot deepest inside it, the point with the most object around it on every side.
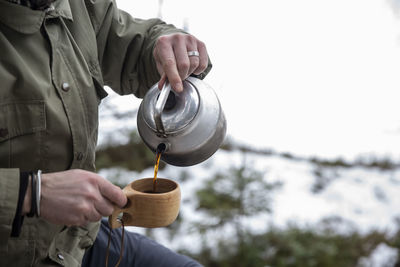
(55, 58)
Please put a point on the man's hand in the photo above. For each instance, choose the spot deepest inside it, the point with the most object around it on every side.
(173, 61)
(76, 197)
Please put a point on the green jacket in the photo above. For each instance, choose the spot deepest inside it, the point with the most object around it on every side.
(53, 66)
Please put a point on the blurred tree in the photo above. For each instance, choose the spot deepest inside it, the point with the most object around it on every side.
(239, 193)
(293, 247)
(228, 199)
(298, 247)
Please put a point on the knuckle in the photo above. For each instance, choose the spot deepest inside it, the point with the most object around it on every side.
(195, 62)
(189, 37)
(84, 208)
(169, 62)
(87, 188)
(180, 37)
(183, 65)
(201, 44)
(173, 36)
(163, 39)
(203, 65)
(91, 179)
(90, 195)
(84, 176)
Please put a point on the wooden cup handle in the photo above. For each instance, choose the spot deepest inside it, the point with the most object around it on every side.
(114, 220)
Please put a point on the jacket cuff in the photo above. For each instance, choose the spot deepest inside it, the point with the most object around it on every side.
(9, 188)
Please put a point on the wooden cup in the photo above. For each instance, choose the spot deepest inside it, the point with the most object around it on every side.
(148, 209)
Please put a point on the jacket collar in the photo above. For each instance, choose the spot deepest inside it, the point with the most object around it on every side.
(28, 21)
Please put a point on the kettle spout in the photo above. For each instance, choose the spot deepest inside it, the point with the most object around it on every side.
(161, 148)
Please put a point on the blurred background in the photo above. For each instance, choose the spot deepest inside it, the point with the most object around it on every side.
(309, 172)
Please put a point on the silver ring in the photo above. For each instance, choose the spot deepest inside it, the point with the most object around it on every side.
(193, 54)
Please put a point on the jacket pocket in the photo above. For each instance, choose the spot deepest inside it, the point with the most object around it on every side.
(20, 139)
(19, 253)
(69, 245)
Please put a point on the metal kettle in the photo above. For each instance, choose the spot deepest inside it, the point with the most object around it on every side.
(188, 127)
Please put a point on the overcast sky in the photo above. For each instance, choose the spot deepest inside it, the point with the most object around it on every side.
(310, 77)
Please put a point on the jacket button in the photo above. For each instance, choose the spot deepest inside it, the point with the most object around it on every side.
(3, 132)
(65, 87)
(79, 156)
(60, 256)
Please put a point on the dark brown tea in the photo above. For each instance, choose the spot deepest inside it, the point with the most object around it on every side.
(160, 150)
(151, 192)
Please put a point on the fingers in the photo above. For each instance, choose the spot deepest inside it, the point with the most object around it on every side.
(193, 59)
(86, 214)
(104, 207)
(92, 215)
(203, 58)
(182, 60)
(97, 198)
(93, 211)
(97, 201)
(173, 61)
(165, 57)
(97, 208)
(113, 193)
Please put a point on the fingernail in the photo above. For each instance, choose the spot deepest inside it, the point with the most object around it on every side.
(178, 87)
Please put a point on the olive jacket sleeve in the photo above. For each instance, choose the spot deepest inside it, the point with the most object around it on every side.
(125, 47)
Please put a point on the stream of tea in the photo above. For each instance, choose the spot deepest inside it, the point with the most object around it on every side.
(158, 157)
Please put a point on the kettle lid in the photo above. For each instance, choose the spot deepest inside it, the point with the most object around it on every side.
(179, 108)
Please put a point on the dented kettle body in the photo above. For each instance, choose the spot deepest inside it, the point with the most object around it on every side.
(189, 126)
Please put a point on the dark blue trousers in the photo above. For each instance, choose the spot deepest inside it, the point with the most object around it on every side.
(139, 251)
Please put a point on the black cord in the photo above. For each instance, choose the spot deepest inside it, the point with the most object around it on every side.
(33, 196)
(18, 218)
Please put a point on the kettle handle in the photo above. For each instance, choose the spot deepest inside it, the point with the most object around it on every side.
(160, 104)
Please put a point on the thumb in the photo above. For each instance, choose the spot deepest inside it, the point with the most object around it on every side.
(112, 193)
